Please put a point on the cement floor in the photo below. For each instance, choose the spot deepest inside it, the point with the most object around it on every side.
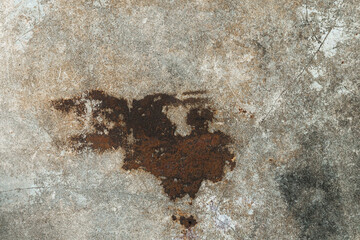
(179, 119)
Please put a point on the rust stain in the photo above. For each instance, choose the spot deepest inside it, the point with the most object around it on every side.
(149, 139)
(187, 222)
(246, 113)
(241, 110)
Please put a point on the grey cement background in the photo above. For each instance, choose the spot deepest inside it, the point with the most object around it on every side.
(292, 65)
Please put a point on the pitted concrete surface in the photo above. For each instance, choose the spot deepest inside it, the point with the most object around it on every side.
(179, 119)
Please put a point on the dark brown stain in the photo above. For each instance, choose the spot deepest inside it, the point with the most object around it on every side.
(272, 161)
(148, 137)
(194, 92)
(187, 222)
(241, 110)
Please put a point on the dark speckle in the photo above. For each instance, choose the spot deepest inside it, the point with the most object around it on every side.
(194, 92)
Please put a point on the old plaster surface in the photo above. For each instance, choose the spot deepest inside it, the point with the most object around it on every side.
(281, 78)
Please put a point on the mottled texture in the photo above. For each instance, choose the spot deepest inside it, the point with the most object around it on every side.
(279, 80)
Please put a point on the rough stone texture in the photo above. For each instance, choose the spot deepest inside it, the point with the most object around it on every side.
(283, 80)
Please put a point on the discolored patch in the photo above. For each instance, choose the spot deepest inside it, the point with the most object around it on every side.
(188, 222)
(194, 92)
(315, 202)
(148, 137)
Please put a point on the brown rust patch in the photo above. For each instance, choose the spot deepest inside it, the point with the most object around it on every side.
(187, 222)
(246, 113)
(148, 137)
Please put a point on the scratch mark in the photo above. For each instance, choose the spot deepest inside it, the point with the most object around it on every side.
(59, 75)
(38, 7)
(297, 77)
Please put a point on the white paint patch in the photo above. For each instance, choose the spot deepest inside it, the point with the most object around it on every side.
(224, 222)
(336, 36)
(79, 199)
(316, 86)
(22, 41)
(13, 183)
(310, 13)
(343, 91)
(247, 58)
(248, 204)
(272, 104)
(18, 187)
(101, 3)
(316, 72)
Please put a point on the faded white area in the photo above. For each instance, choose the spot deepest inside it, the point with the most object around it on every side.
(316, 86)
(317, 71)
(9, 183)
(25, 15)
(20, 131)
(343, 91)
(224, 222)
(248, 203)
(329, 21)
(335, 37)
(273, 102)
(101, 3)
(22, 187)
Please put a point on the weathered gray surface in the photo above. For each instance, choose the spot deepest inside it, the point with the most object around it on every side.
(293, 66)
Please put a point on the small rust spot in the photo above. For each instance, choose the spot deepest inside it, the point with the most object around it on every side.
(188, 222)
(246, 113)
(64, 105)
(148, 137)
(241, 110)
